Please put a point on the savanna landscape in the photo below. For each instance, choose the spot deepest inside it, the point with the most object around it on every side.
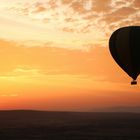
(43, 125)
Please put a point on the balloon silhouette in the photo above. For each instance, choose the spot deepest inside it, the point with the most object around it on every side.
(124, 45)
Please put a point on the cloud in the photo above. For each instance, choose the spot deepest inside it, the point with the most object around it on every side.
(33, 62)
(9, 95)
(136, 4)
(118, 17)
(117, 4)
(101, 6)
(40, 9)
(72, 18)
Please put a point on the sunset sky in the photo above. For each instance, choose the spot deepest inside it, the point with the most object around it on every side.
(54, 54)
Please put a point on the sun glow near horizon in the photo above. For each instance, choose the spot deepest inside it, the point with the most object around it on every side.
(54, 54)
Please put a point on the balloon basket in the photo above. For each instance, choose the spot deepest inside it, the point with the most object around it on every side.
(134, 82)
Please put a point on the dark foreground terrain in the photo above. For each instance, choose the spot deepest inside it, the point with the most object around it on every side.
(39, 125)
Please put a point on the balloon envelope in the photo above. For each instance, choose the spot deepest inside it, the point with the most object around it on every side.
(124, 45)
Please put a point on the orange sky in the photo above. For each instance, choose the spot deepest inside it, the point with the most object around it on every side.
(54, 54)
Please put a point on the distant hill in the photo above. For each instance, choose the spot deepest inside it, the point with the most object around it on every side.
(131, 109)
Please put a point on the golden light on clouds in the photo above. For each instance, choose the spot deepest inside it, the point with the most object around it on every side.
(54, 54)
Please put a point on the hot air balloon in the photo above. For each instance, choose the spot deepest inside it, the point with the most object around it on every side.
(124, 46)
